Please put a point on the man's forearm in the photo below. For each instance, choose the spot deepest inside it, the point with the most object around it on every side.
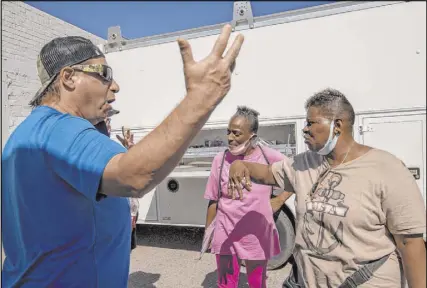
(154, 157)
(413, 254)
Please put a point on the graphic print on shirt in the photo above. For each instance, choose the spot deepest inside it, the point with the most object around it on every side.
(327, 200)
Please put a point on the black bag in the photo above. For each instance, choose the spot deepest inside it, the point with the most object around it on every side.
(292, 281)
(364, 274)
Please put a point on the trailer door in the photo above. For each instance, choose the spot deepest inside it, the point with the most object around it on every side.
(401, 135)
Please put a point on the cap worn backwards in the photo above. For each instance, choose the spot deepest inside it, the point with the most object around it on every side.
(59, 53)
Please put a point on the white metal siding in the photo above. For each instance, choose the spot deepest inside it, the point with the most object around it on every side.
(375, 56)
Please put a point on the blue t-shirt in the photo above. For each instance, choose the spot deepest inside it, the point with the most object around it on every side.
(55, 232)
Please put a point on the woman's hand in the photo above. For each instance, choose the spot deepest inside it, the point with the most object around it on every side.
(239, 178)
(242, 174)
(278, 201)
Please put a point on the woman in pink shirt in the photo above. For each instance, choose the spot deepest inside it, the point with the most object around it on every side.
(245, 229)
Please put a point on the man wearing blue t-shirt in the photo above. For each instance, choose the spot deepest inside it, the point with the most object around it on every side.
(64, 185)
(127, 141)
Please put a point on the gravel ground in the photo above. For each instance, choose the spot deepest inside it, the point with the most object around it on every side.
(166, 258)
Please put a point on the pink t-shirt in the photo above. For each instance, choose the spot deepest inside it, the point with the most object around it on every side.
(245, 228)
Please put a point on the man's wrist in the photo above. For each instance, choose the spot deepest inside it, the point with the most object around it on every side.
(202, 99)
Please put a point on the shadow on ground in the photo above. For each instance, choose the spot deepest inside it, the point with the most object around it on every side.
(141, 279)
(170, 237)
(211, 278)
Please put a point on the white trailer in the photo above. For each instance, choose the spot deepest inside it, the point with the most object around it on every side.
(374, 52)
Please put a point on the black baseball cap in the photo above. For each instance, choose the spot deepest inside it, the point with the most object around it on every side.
(59, 53)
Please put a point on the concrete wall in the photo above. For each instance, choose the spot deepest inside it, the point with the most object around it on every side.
(25, 30)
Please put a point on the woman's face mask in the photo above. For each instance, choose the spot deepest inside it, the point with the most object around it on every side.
(242, 148)
(331, 142)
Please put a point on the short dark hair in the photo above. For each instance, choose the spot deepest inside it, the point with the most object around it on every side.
(250, 114)
(332, 102)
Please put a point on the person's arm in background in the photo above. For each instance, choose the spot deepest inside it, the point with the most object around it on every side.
(140, 169)
(406, 220)
(127, 139)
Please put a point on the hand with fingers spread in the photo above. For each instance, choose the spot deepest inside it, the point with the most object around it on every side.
(127, 140)
(239, 179)
(211, 76)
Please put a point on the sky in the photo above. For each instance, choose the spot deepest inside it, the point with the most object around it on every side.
(147, 18)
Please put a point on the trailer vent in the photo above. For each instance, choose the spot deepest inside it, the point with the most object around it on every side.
(173, 186)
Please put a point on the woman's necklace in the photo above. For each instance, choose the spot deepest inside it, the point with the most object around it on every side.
(323, 175)
(346, 154)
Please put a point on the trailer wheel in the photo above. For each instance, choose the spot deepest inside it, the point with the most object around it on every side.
(285, 228)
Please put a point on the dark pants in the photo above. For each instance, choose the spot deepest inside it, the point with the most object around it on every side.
(133, 237)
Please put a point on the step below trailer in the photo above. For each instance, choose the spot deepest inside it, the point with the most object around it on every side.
(374, 52)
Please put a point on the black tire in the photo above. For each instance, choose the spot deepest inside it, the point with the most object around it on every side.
(285, 228)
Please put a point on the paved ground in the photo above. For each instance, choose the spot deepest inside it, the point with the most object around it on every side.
(166, 258)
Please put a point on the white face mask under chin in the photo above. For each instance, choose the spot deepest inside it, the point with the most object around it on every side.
(331, 143)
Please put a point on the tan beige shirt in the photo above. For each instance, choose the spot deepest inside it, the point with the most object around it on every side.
(347, 220)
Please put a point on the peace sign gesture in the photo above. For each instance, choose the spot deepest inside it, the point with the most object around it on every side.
(211, 76)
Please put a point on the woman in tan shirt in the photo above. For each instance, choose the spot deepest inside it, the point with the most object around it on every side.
(355, 204)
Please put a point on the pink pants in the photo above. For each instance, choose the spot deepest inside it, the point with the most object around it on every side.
(229, 271)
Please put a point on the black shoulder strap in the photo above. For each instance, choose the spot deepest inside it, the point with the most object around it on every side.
(268, 162)
(364, 274)
(219, 177)
(263, 154)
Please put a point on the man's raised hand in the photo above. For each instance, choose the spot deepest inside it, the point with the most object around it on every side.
(211, 77)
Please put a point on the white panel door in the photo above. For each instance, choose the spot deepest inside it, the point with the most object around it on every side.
(401, 135)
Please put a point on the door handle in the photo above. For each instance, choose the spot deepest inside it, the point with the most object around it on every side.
(415, 172)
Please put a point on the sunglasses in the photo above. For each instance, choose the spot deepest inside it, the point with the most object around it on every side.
(104, 71)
